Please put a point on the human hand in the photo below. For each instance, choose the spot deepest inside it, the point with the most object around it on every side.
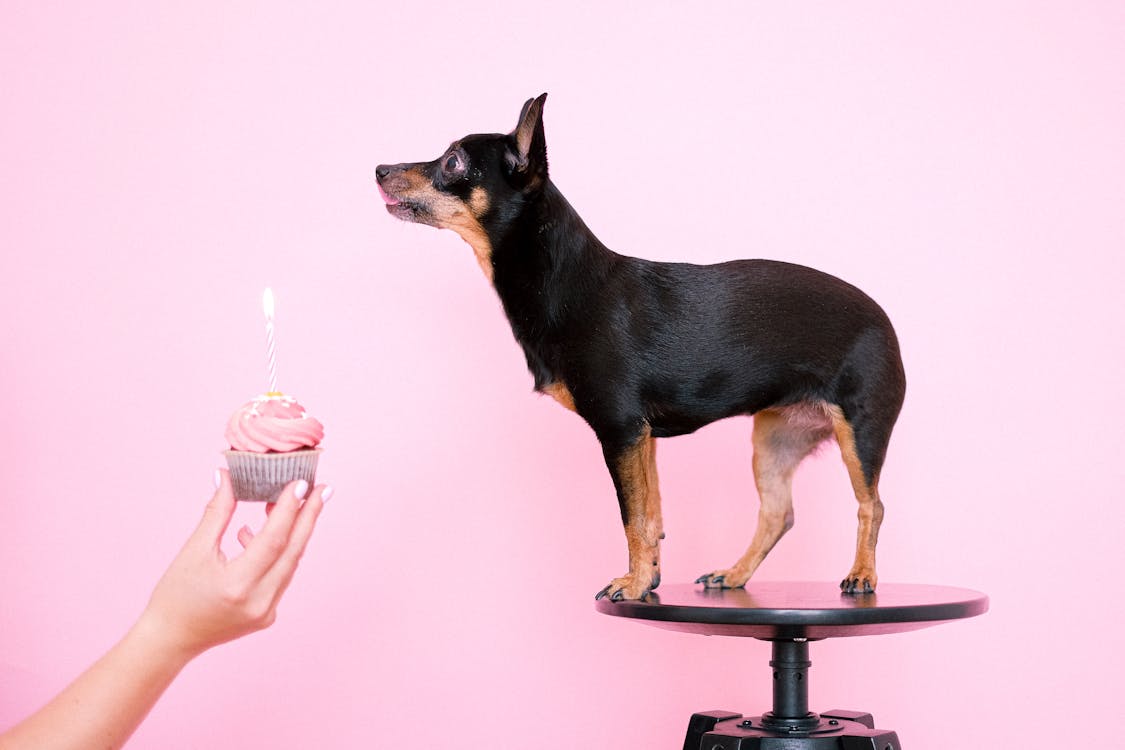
(205, 599)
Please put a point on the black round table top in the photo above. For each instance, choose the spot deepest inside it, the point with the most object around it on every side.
(799, 609)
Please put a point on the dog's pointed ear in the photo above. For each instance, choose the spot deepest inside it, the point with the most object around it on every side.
(529, 144)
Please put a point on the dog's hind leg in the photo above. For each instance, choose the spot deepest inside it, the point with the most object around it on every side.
(783, 437)
(634, 476)
(865, 482)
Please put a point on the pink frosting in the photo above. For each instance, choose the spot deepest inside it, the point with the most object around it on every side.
(273, 424)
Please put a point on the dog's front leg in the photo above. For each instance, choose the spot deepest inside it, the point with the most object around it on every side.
(633, 469)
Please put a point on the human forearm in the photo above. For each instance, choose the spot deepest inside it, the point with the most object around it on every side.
(103, 706)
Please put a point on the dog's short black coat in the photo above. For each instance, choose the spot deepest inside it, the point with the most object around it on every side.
(644, 350)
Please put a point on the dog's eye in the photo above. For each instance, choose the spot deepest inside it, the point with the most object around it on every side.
(453, 164)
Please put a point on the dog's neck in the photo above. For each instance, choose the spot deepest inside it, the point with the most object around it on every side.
(546, 265)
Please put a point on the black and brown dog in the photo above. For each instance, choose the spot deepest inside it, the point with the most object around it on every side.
(643, 350)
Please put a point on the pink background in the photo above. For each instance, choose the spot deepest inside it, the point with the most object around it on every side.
(963, 162)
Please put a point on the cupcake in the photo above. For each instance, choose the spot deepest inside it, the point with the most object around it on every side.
(273, 442)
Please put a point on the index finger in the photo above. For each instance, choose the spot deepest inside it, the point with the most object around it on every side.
(217, 514)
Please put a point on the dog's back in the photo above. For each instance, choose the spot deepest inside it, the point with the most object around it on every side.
(700, 343)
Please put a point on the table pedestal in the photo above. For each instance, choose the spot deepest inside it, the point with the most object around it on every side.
(790, 725)
(790, 616)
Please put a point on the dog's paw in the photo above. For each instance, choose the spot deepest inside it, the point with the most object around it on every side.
(728, 578)
(860, 581)
(629, 586)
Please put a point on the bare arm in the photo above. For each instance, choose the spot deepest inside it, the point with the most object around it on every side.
(203, 600)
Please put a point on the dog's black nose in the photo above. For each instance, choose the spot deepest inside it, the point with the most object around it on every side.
(382, 171)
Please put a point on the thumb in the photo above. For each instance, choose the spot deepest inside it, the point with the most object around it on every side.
(217, 514)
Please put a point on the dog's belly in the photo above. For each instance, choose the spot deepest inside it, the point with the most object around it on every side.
(665, 421)
(680, 402)
(675, 429)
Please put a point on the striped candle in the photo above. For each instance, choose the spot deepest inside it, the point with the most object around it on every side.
(271, 344)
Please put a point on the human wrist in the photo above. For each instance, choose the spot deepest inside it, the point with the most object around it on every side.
(159, 639)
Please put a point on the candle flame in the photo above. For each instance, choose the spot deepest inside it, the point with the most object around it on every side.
(267, 302)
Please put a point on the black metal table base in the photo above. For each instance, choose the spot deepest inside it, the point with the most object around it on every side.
(790, 725)
(791, 615)
(835, 730)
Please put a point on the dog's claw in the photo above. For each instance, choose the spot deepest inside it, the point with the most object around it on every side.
(712, 581)
(629, 588)
(857, 586)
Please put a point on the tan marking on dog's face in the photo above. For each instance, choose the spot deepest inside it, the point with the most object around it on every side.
(559, 392)
(470, 230)
(422, 203)
(478, 202)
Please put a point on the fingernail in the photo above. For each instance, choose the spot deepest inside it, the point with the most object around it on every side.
(301, 489)
(218, 479)
(326, 494)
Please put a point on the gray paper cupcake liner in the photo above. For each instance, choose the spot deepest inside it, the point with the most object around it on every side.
(262, 476)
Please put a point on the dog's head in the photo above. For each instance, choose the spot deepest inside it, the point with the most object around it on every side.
(480, 182)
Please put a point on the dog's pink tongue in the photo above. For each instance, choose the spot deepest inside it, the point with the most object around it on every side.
(390, 200)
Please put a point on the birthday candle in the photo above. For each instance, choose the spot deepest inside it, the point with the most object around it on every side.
(271, 344)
